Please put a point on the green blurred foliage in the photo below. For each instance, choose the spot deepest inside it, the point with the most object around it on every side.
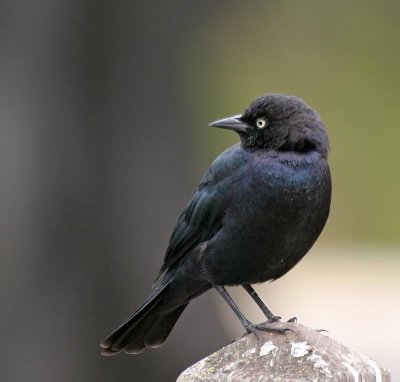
(343, 58)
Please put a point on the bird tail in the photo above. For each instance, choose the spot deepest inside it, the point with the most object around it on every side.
(148, 327)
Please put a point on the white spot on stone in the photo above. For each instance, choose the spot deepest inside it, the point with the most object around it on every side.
(248, 352)
(353, 371)
(299, 349)
(319, 363)
(230, 366)
(272, 362)
(377, 371)
(267, 348)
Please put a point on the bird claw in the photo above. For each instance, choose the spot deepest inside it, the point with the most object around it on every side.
(274, 319)
(253, 329)
(269, 327)
(273, 328)
(292, 320)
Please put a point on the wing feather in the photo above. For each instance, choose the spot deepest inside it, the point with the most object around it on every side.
(203, 216)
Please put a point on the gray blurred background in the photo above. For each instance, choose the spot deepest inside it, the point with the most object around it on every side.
(104, 109)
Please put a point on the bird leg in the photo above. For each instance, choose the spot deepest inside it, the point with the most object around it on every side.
(228, 299)
(253, 294)
(250, 327)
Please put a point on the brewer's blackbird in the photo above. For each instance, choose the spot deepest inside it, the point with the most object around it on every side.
(257, 211)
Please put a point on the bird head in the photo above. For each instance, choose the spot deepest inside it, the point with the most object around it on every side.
(279, 122)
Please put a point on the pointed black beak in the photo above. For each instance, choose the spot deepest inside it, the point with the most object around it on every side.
(234, 123)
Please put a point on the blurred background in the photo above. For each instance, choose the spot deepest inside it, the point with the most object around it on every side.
(104, 108)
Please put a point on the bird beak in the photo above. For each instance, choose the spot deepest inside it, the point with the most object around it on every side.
(234, 123)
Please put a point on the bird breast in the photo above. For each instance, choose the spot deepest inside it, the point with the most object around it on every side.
(278, 209)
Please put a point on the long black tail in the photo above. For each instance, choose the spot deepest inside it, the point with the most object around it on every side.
(148, 327)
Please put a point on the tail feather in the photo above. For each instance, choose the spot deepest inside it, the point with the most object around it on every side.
(148, 327)
(134, 343)
(161, 327)
(147, 307)
(154, 333)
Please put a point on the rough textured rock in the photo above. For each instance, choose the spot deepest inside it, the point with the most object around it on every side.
(301, 354)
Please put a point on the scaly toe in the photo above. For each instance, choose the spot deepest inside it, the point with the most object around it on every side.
(251, 328)
(273, 327)
(274, 319)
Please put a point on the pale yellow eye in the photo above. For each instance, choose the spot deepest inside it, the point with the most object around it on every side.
(261, 123)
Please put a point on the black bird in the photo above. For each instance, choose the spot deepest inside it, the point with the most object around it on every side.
(258, 210)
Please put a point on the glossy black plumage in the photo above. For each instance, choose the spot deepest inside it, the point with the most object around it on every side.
(258, 210)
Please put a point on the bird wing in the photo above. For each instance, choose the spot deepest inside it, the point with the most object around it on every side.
(203, 216)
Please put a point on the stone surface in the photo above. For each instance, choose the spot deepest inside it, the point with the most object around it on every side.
(301, 354)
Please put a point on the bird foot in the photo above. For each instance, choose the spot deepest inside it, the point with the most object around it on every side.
(274, 327)
(253, 329)
(274, 319)
(292, 320)
(268, 326)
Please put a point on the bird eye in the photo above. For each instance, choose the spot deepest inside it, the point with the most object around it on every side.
(261, 123)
